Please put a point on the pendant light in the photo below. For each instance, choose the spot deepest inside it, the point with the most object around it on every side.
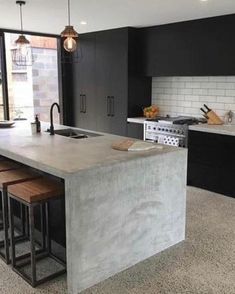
(22, 54)
(69, 35)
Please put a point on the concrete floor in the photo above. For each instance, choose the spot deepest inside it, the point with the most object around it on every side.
(203, 264)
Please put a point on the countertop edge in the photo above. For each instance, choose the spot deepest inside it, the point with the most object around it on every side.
(228, 130)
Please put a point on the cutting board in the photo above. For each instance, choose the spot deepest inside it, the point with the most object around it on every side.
(132, 145)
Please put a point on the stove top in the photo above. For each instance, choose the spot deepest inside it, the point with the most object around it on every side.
(177, 120)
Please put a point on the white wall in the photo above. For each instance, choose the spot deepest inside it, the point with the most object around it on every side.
(185, 95)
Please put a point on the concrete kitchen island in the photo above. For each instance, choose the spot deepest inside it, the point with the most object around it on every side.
(121, 207)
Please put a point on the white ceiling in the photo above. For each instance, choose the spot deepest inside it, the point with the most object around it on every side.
(50, 16)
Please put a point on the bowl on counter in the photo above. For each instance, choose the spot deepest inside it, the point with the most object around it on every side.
(6, 123)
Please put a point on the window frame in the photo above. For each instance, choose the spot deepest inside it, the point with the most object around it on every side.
(4, 67)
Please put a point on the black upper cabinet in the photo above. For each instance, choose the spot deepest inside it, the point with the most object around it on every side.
(111, 80)
(84, 83)
(107, 82)
(200, 47)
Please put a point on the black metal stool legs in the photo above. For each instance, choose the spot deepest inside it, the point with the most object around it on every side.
(35, 255)
(32, 245)
(5, 254)
(12, 239)
(4, 244)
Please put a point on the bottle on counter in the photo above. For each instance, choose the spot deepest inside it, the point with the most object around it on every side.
(38, 124)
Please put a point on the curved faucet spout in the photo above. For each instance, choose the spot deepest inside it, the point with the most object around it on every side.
(52, 132)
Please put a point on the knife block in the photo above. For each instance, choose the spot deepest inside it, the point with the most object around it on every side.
(213, 118)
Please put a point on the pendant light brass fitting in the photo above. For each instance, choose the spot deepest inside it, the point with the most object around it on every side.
(22, 40)
(69, 31)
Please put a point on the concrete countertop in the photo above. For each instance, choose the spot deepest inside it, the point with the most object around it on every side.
(217, 129)
(136, 120)
(62, 156)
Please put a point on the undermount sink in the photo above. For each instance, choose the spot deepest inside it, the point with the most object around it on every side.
(75, 134)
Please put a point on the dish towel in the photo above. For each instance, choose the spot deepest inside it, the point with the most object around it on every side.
(168, 140)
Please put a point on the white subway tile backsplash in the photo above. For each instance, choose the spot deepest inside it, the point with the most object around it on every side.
(200, 91)
(192, 85)
(200, 79)
(185, 91)
(225, 86)
(216, 92)
(208, 85)
(230, 92)
(185, 95)
(224, 99)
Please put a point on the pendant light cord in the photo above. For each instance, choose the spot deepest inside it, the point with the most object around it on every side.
(69, 12)
(21, 18)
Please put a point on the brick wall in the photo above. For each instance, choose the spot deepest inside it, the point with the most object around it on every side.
(185, 95)
(45, 82)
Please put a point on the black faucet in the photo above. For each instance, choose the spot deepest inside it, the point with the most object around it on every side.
(52, 132)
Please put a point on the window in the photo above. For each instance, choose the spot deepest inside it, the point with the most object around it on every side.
(32, 89)
(2, 82)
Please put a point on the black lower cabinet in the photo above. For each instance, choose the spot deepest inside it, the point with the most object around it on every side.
(211, 162)
(135, 131)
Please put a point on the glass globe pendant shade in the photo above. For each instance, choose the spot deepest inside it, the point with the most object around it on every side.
(70, 35)
(70, 44)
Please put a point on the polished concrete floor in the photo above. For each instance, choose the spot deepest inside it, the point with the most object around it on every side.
(203, 264)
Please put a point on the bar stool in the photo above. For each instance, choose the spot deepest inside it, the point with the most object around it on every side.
(8, 178)
(6, 165)
(32, 194)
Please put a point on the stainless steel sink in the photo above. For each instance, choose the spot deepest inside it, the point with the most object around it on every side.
(75, 134)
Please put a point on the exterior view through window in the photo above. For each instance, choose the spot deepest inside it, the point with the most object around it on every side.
(32, 89)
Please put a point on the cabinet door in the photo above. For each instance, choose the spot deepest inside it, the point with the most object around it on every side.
(135, 131)
(200, 47)
(84, 84)
(111, 80)
(119, 81)
(102, 74)
(211, 162)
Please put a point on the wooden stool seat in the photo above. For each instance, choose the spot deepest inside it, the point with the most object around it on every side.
(16, 176)
(37, 190)
(8, 165)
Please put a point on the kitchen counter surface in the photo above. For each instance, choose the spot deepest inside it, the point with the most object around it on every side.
(136, 120)
(120, 207)
(61, 155)
(217, 129)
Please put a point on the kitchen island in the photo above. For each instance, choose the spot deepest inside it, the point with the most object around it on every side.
(121, 207)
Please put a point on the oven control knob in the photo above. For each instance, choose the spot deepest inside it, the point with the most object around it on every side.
(170, 131)
(154, 128)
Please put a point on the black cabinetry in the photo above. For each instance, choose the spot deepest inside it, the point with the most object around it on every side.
(135, 130)
(211, 162)
(83, 74)
(107, 84)
(199, 47)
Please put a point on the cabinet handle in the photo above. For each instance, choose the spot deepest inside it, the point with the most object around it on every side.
(108, 106)
(84, 103)
(81, 103)
(112, 106)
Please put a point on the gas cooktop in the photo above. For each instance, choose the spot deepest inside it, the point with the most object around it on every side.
(179, 120)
